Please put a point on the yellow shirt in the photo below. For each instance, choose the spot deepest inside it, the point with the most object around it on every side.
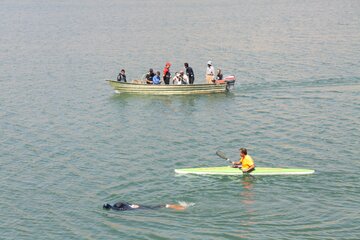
(246, 162)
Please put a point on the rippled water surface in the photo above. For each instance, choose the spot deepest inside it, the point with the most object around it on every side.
(68, 143)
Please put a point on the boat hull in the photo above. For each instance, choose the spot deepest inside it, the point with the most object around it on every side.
(135, 88)
(236, 171)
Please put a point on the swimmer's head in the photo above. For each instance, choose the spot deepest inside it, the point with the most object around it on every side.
(107, 206)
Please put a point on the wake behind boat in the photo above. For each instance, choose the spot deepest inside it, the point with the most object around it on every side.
(227, 170)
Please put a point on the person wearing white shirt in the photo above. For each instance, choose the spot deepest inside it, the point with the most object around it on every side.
(183, 78)
(210, 73)
(180, 78)
(176, 79)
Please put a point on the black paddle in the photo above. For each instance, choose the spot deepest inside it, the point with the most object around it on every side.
(222, 155)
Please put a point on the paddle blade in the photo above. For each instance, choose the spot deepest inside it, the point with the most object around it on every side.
(221, 154)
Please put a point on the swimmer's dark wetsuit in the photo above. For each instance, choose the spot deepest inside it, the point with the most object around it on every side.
(120, 206)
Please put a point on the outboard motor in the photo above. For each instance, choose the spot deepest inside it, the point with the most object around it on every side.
(230, 82)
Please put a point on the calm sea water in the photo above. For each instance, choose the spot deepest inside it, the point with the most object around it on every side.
(68, 143)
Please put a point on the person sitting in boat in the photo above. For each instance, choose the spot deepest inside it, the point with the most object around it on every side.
(121, 77)
(219, 75)
(246, 163)
(121, 206)
(156, 79)
(149, 76)
(181, 78)
(176, 79)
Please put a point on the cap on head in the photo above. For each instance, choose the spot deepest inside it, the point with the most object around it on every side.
(209, 63)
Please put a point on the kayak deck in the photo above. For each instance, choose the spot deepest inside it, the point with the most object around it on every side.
(227, 170)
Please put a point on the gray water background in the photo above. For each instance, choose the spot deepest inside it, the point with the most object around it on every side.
(68, 144)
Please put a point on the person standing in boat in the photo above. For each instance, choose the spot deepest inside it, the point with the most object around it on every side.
(246, 163)
(219, 75)
(121, 77)
(166, 73)
(149, 76)
(156, 79)
(189, 73)
(210, 73)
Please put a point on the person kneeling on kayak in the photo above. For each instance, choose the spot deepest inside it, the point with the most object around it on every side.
(120, 206)
(246, 163)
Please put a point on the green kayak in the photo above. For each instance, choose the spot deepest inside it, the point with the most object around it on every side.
(235, 171)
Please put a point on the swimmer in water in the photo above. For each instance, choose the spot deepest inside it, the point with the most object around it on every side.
(120, 206)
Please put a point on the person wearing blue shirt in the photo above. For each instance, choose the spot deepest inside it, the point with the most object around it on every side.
(156, 79)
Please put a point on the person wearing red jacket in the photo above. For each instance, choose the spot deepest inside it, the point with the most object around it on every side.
(166, 73)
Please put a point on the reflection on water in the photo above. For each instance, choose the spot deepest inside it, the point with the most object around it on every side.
(248, 195)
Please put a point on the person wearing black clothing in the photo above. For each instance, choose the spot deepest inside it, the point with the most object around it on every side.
(121, 206)
(189, 73)
(121, 77)
(219, 75)
(166, 73)
(149, 76)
